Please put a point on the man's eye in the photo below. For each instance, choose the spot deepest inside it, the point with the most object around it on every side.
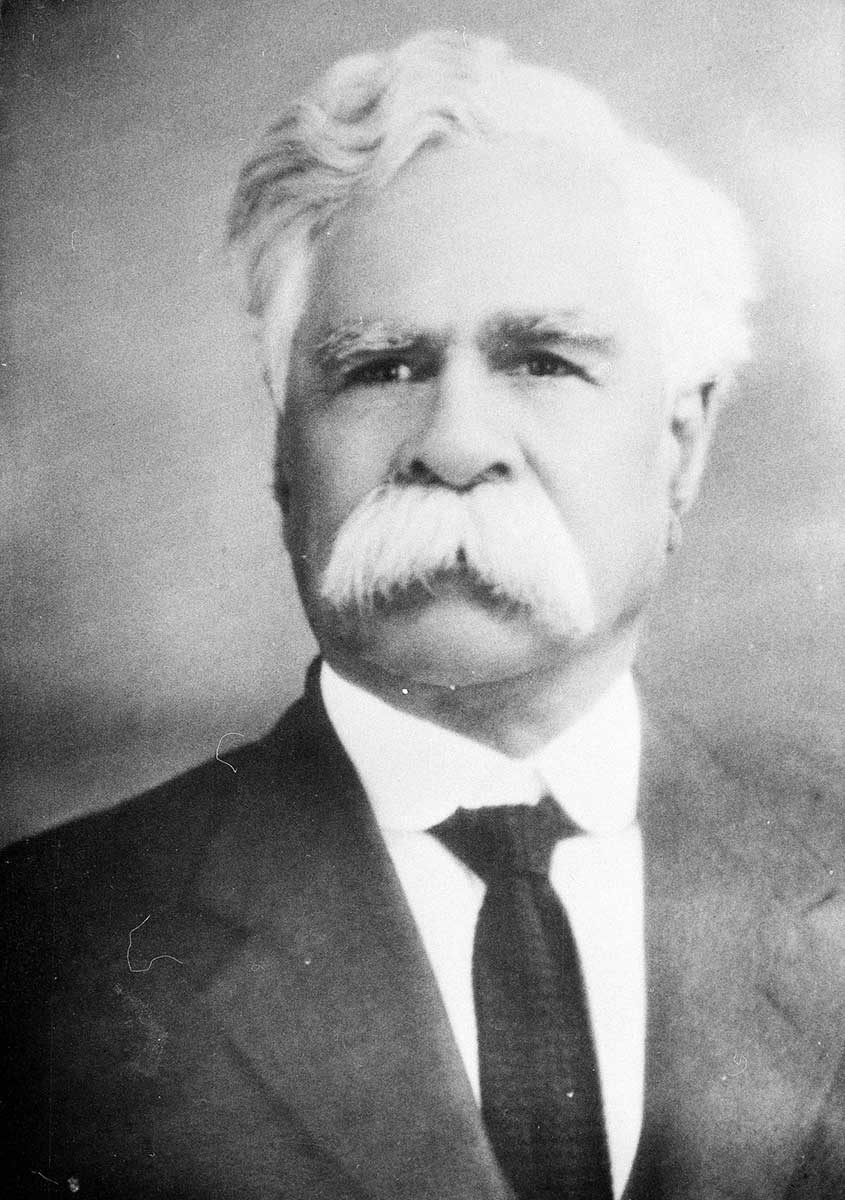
(378, 372)
(544, 363)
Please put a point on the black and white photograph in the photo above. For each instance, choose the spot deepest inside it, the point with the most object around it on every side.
(422, 530)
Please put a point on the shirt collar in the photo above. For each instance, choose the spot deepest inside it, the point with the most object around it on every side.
(416, 773)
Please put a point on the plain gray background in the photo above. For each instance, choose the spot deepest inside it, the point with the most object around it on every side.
(147, 609)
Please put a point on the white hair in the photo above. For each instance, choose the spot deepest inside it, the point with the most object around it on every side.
(372, 113)
(509, 541)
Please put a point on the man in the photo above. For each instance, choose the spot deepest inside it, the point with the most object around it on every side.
(467, 923)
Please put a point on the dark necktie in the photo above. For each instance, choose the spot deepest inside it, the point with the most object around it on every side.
(540, 1093)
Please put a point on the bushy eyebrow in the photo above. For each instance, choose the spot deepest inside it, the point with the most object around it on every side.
(344, 343)
(352, 339)
(567, 327)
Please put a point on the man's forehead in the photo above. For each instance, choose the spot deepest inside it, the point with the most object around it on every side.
(483, 242)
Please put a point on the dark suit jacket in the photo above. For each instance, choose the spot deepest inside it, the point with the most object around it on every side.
(298, 1048)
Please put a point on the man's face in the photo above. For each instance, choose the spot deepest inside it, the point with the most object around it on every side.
(474, 325)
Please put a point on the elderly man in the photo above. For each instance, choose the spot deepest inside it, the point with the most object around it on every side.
(467, 923)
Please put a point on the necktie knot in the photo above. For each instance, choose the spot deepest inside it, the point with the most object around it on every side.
(507, 839)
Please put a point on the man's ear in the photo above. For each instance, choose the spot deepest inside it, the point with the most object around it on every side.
(691, 423)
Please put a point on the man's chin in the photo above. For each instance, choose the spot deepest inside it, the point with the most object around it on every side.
(450, 639)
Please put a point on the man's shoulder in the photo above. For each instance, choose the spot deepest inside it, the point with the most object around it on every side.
(75, 896)
(165, 822)
(173, 815)
(152, 842)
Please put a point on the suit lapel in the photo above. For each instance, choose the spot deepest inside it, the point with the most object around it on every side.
(742, 1030)
(330, 996)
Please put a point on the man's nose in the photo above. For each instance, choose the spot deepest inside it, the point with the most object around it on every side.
(465, 434)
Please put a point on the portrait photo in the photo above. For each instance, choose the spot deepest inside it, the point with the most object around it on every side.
(424, 572)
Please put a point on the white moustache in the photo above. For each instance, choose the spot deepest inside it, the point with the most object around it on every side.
(505, 538)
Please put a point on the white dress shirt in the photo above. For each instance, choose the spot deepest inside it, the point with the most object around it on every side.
(416, 773)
